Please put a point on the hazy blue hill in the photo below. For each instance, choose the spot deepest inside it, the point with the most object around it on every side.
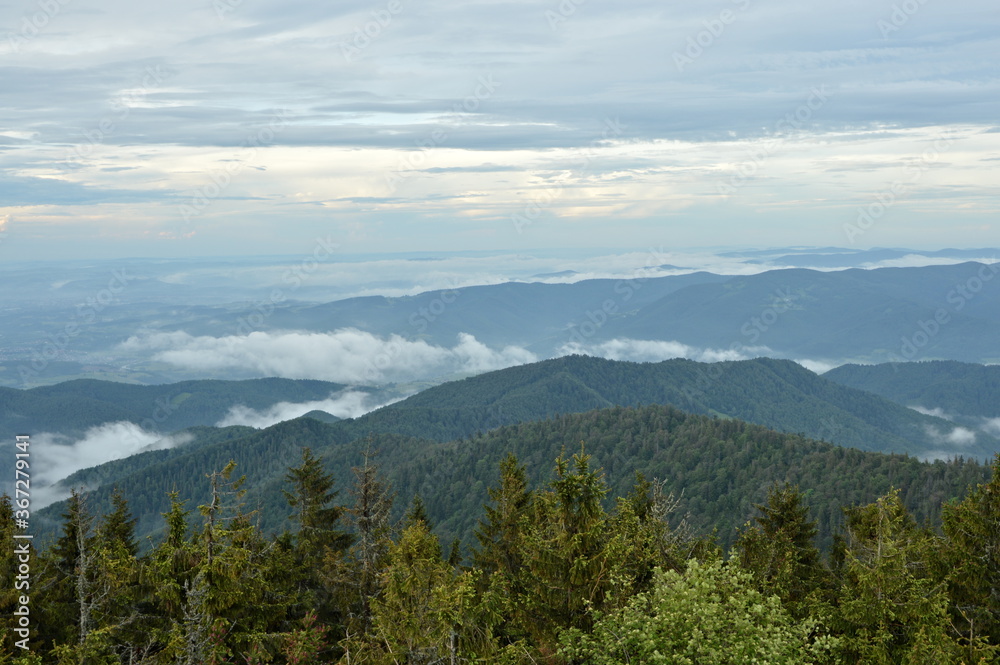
(74, 406)
(845, 314)
(500, 314)
(30, 413)
(958, 388)
(833, 257)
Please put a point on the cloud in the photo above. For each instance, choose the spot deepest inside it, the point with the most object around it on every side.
(346, 355)
(56, 456)
(640, 350)
(937, 412)
(991, 426)
(28, 191)
(818, 366)
(346, 404)
(960, 437)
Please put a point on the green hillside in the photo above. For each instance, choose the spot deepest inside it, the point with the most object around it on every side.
(959, 388)
(74, 406)
(722, 466)
(778, 394)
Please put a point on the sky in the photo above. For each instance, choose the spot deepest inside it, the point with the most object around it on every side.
(248, 127)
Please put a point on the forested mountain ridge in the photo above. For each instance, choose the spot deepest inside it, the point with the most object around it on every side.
(967, 389)
(721, 465)
(566, 569)
(776, 393)
(73, 406)
(779, 394)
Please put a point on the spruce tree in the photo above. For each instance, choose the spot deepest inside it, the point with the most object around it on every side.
(972, 562)
(780, 551)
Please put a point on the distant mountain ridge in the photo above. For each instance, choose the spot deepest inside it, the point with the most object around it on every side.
(965, 389)
(771, 393)
(949, 312)
(73, 406)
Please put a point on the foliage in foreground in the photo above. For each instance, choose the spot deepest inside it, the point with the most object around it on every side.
(555, 577)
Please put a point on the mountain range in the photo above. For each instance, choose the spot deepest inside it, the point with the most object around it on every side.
(776, 394)
(826, 318)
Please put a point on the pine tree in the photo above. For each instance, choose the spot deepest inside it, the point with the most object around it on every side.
(501, 532)
(891, 606)
(972, 562)
(421, 600)
(319, 544)
(360, 574)
(238, 593)
(64, 604)
(417, 513)
(779, 549)
(9, 594)
(318, 520)
(566, 553)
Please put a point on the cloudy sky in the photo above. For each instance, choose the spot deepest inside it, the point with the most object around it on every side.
(216, 127)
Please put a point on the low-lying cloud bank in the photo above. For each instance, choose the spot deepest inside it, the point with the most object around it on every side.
(644, 350)
(345, 404)
(56, 456)
(346, 355)
(988, 426)
(356, 357)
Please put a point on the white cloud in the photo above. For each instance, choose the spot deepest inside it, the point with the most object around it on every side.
(346, 355)
(991, 426)
(937, 412)
(958, 437)
(961, 436)
(818, 366)
(346, 404)
(641, 350)
(56, 456)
